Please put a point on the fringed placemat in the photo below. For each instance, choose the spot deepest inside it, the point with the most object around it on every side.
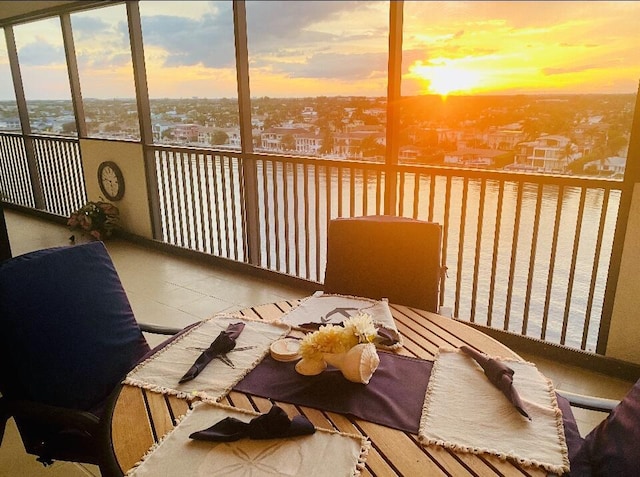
(162, 371)
(463, 411)
(324, 453)
(323, 309)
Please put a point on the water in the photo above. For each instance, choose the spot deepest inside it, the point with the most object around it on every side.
(293, 237)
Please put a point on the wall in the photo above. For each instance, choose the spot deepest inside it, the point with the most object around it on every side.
(624, 334)
(134, 206)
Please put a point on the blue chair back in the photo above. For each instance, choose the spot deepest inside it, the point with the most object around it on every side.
(385, 257)
(68, 332)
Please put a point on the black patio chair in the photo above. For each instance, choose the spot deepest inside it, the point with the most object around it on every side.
(383, 256)
(68, 337)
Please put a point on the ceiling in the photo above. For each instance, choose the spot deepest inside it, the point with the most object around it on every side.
(9, 9)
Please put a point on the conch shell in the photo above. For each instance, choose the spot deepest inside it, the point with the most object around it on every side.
(358, 364)
(310, 367)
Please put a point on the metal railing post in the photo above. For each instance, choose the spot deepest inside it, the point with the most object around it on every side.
(23, 113)
(249, 167)
(631, 177)
(394, 72)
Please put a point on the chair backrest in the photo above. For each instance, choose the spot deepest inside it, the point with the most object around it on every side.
(385, 256)
(5, 246)
(611, 448)
(68, 332)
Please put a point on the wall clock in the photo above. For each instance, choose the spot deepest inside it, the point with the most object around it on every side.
(111, 180)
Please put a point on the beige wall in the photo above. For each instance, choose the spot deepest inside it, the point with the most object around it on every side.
(134, 206)
(624, 334)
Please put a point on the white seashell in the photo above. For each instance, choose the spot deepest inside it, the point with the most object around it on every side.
(358, 364)
(310, 367)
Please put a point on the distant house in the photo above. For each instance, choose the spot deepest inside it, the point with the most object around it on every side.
(308, 143)
(611, 166)
(159, 128)
(186, 133)
(505, 138)
(272, 138)
(348, 145)
(474, 157)
(309, 115)
(550, 154)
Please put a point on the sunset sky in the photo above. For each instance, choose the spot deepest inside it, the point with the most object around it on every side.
(340, 48)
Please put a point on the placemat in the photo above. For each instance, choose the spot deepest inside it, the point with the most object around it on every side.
(162, 371)
(465, 412)
(324, 308)
(323, 454)
(394, 397)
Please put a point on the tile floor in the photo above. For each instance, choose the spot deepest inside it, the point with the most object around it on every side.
(169, 290)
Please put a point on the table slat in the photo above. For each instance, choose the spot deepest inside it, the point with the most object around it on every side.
(132, 436)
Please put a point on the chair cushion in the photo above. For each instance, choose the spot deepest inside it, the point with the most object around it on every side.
(68, 332)
(611, 449)
(385, 257)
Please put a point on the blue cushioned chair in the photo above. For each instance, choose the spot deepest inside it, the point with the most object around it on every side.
(383, 256)
(611, 449)
(68, 338)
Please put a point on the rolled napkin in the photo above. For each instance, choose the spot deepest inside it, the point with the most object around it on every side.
(223, 343)
(272, 425)
(500, 375)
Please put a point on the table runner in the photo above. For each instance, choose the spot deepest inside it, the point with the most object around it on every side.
(325, 453)
(394, 397)
(162, 371)
(465, 412)
(324, 308)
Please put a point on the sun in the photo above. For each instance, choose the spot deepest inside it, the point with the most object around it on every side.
(444, 78)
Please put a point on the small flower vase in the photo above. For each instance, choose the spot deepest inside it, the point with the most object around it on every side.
(358, 364)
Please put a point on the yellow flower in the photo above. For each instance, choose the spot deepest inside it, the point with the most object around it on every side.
(338, 339)
(361, 326)
(328, 339)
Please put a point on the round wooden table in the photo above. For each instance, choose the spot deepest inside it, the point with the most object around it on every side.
(142, 417)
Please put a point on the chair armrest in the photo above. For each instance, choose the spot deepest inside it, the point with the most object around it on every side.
(158, 329)
(591, 403)
(62, 416)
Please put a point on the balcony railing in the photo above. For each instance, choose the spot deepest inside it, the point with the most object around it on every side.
(525, 253)
(52, 181)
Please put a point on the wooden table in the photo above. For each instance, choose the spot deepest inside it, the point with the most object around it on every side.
(142, 417)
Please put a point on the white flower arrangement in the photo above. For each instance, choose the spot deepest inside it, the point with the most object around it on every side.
(355, 330)
(348, 347)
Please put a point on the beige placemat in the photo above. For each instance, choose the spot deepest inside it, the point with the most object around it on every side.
(324, 453)
(324, 308)
(465, 412)
(162, 371)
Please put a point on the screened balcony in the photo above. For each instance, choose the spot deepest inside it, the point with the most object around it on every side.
(543, 260)
(538, 258)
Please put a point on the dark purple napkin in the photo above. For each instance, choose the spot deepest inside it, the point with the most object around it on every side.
(500, 375)
(272, 425)
(394, 396)
(223, 343)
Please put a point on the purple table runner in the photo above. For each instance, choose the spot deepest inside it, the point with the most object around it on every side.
(394, 397)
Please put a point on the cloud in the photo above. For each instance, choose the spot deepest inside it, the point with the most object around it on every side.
(568, 70)
(295, 32)
(187, 42)
(85, 27)
(351, 67)
(279, 20)
(40, 53)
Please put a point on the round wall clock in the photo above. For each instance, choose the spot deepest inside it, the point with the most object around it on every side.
(111, 180)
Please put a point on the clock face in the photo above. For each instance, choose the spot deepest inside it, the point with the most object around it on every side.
(111, 180)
